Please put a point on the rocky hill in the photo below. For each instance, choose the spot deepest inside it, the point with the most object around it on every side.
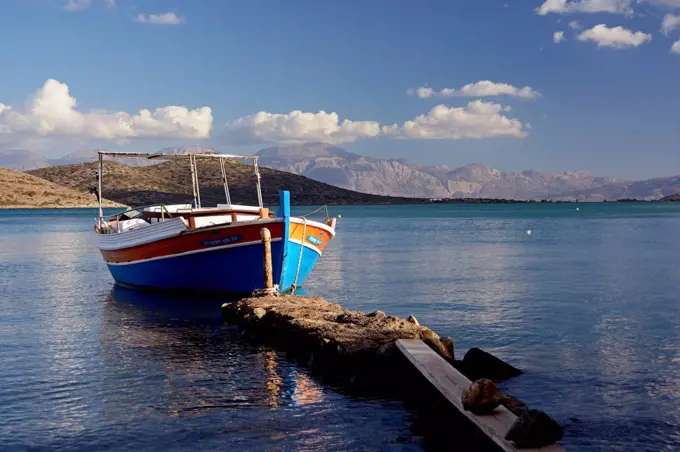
(170, 182)
(675, 197)
(647, 190)
(336, 166)
(404, 178)
(21, 190)
(481, 181)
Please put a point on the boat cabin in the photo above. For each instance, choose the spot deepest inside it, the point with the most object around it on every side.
(193, 215)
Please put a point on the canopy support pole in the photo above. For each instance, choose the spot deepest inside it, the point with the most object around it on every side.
(225, 182)
(259, 187)
(194, 182)
(99, 186)
(198, 187)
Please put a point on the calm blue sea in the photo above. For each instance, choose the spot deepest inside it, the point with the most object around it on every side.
(587, 304)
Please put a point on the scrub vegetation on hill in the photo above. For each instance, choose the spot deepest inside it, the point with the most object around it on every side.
(170, 182)
(21, 190)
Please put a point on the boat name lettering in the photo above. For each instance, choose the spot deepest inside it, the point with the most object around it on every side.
(222, 241)
(314, 240)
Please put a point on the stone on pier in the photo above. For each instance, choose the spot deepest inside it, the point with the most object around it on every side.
(482, 397)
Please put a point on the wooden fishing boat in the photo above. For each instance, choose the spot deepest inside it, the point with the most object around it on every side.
(216, 249)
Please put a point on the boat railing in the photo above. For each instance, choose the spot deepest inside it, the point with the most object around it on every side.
(111, 224)
(327, 220)
(104, 225)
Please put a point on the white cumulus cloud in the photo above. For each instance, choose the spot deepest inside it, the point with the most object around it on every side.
(168, 18)
(423, 92)
(584, 6)
(575, 25)
(675, 48)
(477, 120)
(51, 113)
(600, 6)
(616, 37)
(297, 127)
(558, 37)
(483, 88)
(669, 23)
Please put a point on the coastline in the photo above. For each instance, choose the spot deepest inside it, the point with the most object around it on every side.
(59, 206)
(396, 202)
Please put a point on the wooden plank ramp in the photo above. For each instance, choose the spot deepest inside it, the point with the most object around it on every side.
(451, 384)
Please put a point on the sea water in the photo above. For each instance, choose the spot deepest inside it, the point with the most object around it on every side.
(587, 305)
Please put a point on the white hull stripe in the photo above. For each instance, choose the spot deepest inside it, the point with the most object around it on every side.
(307, 245)
(214, 248)
(299, 220)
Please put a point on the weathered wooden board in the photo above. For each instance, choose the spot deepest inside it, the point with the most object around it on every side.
(451, 384)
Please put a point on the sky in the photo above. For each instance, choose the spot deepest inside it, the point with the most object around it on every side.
(555, 85)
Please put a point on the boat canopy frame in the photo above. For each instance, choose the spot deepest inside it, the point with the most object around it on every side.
(192, 157)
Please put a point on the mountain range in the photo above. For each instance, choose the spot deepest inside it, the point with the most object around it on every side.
(336, 166)
(24, 160)
(402, 178)
(170, 182)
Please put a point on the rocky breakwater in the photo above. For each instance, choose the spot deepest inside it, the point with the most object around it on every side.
(346, 346)
(359, 351)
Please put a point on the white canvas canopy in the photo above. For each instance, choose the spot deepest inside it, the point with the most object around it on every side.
(191, 156)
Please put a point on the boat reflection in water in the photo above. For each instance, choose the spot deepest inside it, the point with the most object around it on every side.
(185, 362)
(188, 307)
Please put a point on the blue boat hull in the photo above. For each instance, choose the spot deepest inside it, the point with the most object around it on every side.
(291, 275)
(224, 258)
(232, 270)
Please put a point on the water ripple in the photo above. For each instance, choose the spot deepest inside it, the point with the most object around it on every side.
(586, 305)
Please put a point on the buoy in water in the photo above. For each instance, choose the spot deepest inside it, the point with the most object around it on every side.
(339, 216)
(528, 231)
(578, 208)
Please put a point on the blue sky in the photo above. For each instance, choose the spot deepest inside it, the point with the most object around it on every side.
(233, 74)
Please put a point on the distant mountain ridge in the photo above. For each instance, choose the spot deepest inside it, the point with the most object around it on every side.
(479, 180)
(335, 166)
(662, 188)
(171, 181)
(405, 178)
(24, 160)
(401, 177)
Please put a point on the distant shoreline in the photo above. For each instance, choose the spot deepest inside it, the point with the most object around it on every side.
(417, 202)
(58, 206)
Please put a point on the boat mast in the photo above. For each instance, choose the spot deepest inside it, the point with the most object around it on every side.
(225, 183)
(194, 181)
(99, 189)
(259, 187)
(198, 187)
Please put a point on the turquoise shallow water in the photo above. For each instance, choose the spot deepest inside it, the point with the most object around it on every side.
(587, 305)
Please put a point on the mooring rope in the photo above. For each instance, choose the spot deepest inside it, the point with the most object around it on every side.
(302, 249)
(324, 208)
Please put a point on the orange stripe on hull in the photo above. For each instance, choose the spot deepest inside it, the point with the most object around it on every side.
(313, 235)
(193, 241)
